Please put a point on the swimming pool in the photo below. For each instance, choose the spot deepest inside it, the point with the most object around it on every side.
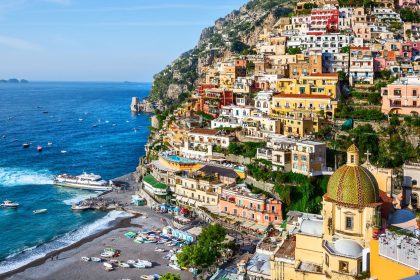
(179, 159)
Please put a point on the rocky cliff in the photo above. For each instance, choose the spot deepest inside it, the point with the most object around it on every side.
(236, 33)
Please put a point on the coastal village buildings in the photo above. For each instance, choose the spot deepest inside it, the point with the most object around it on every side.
(281, 99)
(402, 96)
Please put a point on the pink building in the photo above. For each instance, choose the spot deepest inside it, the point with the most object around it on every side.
(239, 201)
(407, 3)
(402, 97)
(325, 19)
(379, 64)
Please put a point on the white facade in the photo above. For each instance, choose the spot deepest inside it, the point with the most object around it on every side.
(263, 100)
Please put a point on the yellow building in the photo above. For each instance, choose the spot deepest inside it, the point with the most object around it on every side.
(301, 126)
(388, 260)
(303, 105)
(335, 245)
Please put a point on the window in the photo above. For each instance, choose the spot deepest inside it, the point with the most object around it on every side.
(414, 92)
(266, 217)
(352, 159)
(343, 266)
(225, 210)
(273, 208)
(349, 222)
(327, 260)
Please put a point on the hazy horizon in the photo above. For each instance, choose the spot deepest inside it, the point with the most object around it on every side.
(100, 40)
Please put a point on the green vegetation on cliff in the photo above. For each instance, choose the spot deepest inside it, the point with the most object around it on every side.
(236, 33)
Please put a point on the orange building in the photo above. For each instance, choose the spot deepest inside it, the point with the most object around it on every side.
(239, 201)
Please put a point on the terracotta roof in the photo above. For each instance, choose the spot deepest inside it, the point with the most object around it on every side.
(359, 48)
(324, 74)
(303, 96)
(204, 131)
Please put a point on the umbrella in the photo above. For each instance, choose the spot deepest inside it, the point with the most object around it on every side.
(184, 210)
(177, 209)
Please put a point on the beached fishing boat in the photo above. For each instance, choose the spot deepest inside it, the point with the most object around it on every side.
(146, 263)
(174, 266)
(139, 265)
(131, 262)
(159, 250)
(85, 259)
(91, 182)
(40, 211)
(95, 259)
(108, 266)
(123, 265)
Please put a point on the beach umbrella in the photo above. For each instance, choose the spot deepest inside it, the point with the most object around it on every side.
(184, 210)
(177, 209)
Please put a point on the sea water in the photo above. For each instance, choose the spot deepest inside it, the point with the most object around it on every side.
(81, 127)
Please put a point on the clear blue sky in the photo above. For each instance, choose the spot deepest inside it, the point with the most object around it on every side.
(100, 40)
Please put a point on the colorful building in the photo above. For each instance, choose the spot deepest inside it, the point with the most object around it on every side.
(239, 201)
(401, 97)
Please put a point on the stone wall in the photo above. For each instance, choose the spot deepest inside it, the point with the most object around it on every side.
(238, 159)
(268, 187)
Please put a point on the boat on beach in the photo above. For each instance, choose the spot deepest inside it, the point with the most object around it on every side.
(85, 181)
(39, 211)
(95, 259)
(9, 204)
(85, 259)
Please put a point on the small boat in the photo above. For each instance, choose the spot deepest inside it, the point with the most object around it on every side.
(77, 207)
(159, 250)
(145, 262)
(139, 265)
(123, 265)
(107, 254)
(95, 259)
(131, 262)
(147, 277)
(9, 204)
(95, 125)
(174, 266)
(39, 211)
(85, 259)
(108, 266)
(25, 145)
(50, 143)
(80, 120)
(45, 112)
(39, 148)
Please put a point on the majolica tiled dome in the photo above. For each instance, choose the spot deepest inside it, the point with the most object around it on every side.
(352, 183)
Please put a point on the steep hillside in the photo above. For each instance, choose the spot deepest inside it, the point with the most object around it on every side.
(235, 33)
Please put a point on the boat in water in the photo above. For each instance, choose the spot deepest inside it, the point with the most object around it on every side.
(84, 181)
(39, 148)
(25, 145)
(79, 207)
(9, 204)
(40, 211)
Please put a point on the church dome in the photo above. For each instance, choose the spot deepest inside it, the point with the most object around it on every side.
(353, 184)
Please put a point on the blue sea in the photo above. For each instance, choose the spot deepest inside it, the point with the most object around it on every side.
(64, 114)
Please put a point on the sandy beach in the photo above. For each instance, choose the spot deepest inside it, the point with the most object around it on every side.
(69, 265)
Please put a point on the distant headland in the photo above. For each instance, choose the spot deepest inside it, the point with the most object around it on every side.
(14, 81)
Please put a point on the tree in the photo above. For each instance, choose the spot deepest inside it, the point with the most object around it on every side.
(295, 50)
(205, 253)
(366, 139)
(212, 235)
(170, 276)
(345, 49)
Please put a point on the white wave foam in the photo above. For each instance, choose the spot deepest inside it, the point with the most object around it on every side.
(79, 197)
(30, 254)
(17, 177)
